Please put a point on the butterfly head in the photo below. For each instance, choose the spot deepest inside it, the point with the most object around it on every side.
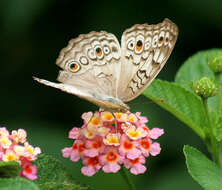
(119, 107)
(123, 107)
(109, 103)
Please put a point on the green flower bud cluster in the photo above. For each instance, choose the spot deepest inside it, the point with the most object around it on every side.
(215, 62)
(205, 87)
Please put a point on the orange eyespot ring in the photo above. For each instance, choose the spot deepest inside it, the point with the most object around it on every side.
(99, 51)
(139, 45)
(160, 40)
(74, 66)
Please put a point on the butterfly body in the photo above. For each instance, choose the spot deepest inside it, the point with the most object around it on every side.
(96, 68)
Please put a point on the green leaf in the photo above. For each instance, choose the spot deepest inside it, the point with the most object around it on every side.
(9, 169)
(194, 68)
(217, 128)
(183, 104)
(203, 170)
(53, 175)
(61, 186)
(17, 184)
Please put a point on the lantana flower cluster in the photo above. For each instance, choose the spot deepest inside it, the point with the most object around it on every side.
(108, 140)
(14, 147)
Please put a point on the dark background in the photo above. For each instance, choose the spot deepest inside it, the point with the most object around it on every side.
(32, 32)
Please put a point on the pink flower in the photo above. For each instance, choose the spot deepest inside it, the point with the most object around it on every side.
(91, 166)
(3, 132)
(121, 117)
(111, 160)
(132, 118)
(75, 152)
(155, 149)
(136, 166)
(109, 140)
(94, 147)
(14, 147)
(107, 117)
(1, 155)
(29, 171)
(129, 148)
(19, 136)
(141, 120)
(135, 133)
(74, 133)
(145, 146)
(87, 116)
(155, 133)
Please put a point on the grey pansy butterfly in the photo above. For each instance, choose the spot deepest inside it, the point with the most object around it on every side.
(97, 69)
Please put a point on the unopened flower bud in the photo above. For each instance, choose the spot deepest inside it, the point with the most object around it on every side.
(205, 87)
(215, 62)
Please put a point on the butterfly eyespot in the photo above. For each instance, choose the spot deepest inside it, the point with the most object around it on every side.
(74, 66)
(83, 60)
(160, 42)
(167, 38)
(99, 52)
(139, 45)
(131, 45)
(106, 50)
(161, 39)
(154, 42)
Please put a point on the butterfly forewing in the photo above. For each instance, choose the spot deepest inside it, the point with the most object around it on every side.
(92, 62)
(145, 50)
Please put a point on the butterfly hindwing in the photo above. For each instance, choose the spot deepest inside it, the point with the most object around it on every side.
(145, 50)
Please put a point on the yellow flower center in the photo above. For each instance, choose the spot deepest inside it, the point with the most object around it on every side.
(113, 140)
(11, 157)
(134, 133)
(95, 121)
(30, 150)
(108, 116)
(118, 115)
(132, 119)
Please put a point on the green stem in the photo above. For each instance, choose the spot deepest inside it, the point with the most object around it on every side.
(217, 78)
(127, 179)
(220, 155)
(211, 141)
(219, 145)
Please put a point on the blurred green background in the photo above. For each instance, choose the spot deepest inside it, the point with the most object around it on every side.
(32, 32)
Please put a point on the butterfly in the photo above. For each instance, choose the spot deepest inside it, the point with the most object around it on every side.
(96, 68)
